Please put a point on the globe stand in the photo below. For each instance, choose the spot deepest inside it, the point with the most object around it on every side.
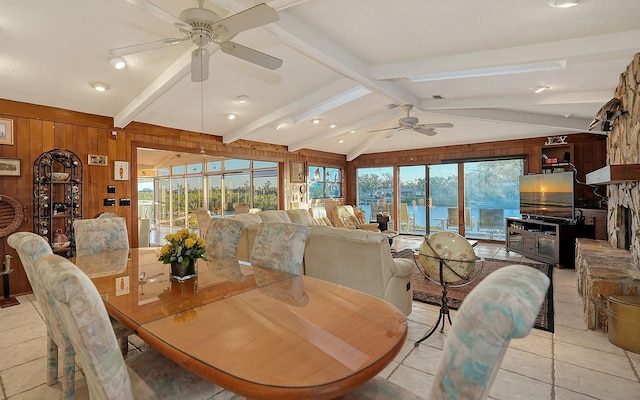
(444, 314)
(444, 309)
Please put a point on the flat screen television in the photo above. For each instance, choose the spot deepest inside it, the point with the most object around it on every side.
(547, 196)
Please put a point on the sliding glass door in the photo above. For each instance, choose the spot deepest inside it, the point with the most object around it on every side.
(443, 198)
(412, 210)
(375, 190)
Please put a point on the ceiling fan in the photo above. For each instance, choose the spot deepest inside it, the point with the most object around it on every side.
(204, 27)
(409, 122)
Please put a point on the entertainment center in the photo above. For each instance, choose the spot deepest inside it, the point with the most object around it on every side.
(548, 227)
(550, 242)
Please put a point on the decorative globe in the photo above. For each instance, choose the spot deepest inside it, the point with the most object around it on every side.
(456, 252)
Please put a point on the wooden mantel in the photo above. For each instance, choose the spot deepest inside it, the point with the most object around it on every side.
(612, 174)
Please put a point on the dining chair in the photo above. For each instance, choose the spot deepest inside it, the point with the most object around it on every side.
(223, 236)
(104, 235)
(99, 235)
(504, 305)
(407, 219)
(30, 248)
(491, 220)
(83, 319)
(280, 246)
(204, 219)
(453, 219)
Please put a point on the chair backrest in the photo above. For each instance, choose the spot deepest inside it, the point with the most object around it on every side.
(82, 317)
(319, 216)
(452, 217)
(223, 236)
(345, 216)
(280, 246)
(241, 208)
(100, 234)
(204, 219)
(490, 218)
(503, 306)
(300, 216)
(30, 248)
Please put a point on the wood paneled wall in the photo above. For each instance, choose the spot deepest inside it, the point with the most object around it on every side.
(38, 129)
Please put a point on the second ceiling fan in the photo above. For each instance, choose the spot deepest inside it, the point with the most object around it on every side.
(411, 123)
(204, 27)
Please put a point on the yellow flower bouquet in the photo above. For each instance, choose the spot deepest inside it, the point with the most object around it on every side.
(183, 249)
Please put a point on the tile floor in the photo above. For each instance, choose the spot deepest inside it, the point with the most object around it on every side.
(570, 364)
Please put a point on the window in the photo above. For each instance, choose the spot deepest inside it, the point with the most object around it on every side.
(324, 182)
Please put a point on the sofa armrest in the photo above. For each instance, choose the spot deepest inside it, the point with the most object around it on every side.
(402, 267)
(373, 227)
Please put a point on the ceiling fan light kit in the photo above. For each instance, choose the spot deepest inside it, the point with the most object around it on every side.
(411, 123)
(204, 27)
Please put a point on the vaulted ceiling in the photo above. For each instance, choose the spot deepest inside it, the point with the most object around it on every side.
(344, 62)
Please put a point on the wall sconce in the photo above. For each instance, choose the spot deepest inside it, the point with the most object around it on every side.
(114, 135)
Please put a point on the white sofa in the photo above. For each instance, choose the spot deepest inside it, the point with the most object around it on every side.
(354, 258)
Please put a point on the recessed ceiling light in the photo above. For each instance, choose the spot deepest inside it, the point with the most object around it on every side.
(117, 62)
(352, 131)
(231, 116)
(563, 3)
(341, 141)
(332, 125)
(316, 121)
(539, 89)
(243, 98)
(100, 87)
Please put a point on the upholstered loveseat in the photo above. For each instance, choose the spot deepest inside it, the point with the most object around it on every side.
(355, 258)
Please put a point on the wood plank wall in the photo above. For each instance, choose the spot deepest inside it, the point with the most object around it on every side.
(40, 128)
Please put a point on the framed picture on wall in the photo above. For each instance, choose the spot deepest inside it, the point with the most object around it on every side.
(95, 159)
(9, 167)
(6, 131)
(121, 170)
(297, 172)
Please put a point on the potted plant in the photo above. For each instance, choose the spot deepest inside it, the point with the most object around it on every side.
(183, 250)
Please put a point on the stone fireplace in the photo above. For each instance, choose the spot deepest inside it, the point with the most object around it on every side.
(612, 267)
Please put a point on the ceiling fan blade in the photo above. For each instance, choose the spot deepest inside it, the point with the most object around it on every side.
(437, 125)
(251, 55)
(158, 12)
(253, 17)
(426, 131)
(139, 48)
(199, 64)
(394, 133)
(385, 129)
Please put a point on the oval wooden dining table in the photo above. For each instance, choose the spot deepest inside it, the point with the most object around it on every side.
(257, 332)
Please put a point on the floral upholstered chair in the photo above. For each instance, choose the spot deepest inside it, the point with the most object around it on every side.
(100, 235)
(30, 248)
(204, 219)
(503, 306)
(108, 236)
(280, 246)
(82, 317)
(223, 236)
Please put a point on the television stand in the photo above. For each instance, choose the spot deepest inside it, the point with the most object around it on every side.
(546, 241)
